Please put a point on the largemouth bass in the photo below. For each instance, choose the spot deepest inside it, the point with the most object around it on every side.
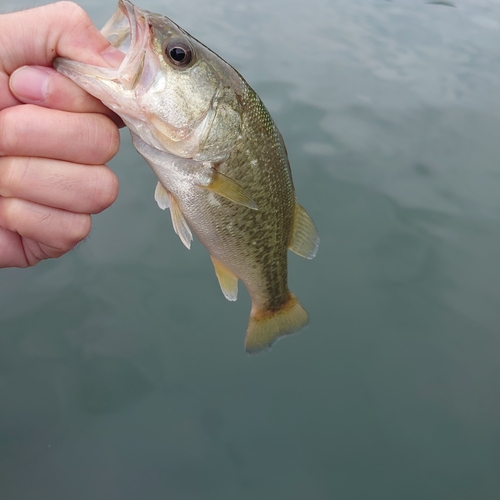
(221, 163)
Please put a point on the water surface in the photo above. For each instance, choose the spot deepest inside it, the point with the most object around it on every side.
(122, 369)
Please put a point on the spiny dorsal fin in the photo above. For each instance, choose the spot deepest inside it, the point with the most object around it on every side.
(305, 239)
(161, 196)
(227, 280)
(179, 222)
(228, 188)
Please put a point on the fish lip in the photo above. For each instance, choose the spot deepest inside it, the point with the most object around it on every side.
(118, 27)
(128, 31)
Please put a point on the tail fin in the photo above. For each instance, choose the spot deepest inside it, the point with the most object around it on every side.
(265, 327)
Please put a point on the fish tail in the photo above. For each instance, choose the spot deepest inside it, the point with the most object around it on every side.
(265, 327)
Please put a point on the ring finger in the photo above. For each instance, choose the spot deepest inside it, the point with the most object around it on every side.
(74, 187)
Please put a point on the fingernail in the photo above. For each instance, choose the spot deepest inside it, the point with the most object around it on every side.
(30, 83)
(112, 56)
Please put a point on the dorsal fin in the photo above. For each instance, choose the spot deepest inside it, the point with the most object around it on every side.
(305, 239)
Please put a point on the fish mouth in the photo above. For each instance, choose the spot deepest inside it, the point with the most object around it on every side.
(128, 31)
(124, 89)
(118, 29)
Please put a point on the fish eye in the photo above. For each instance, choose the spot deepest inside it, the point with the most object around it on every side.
(178, 53)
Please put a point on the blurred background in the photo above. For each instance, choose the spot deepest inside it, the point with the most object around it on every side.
(122, 368)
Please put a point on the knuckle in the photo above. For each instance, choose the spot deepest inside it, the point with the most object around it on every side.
(17, 127)
(107, 187)
(10, 213)
(9, 125)
(73, 11)
(81, 100)
(101, 138)
(77, 229)
(110, 138)
(13, 171)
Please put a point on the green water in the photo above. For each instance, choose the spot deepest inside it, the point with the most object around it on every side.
(122, 369)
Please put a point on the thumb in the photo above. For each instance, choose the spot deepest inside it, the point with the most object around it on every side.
(37, 36)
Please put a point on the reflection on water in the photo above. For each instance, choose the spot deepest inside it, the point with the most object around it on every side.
(122, 369)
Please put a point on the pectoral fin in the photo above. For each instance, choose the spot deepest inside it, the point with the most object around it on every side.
(162, 196)
(305, 239)
(227, 280)
(166, 200)
(179, 222)
(228, 188)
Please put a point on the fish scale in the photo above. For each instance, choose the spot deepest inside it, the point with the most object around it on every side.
(220, 160)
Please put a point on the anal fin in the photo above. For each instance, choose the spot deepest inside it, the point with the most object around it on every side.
(305, 239)
(227, 280)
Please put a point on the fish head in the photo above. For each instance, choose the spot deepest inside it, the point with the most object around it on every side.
(172, 91)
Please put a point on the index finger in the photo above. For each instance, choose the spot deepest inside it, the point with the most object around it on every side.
(37, 36)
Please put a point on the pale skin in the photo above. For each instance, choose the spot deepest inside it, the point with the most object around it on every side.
(55, 139)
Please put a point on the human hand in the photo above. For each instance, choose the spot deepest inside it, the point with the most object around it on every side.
(54, 138)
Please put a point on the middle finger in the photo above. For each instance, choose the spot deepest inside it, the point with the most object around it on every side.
(29, 130)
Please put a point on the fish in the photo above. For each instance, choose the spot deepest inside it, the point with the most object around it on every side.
(221, 163)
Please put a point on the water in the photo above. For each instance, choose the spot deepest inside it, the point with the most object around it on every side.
(122, 370)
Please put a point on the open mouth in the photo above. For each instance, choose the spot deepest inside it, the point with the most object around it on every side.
(118, 30)
(127, 30)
